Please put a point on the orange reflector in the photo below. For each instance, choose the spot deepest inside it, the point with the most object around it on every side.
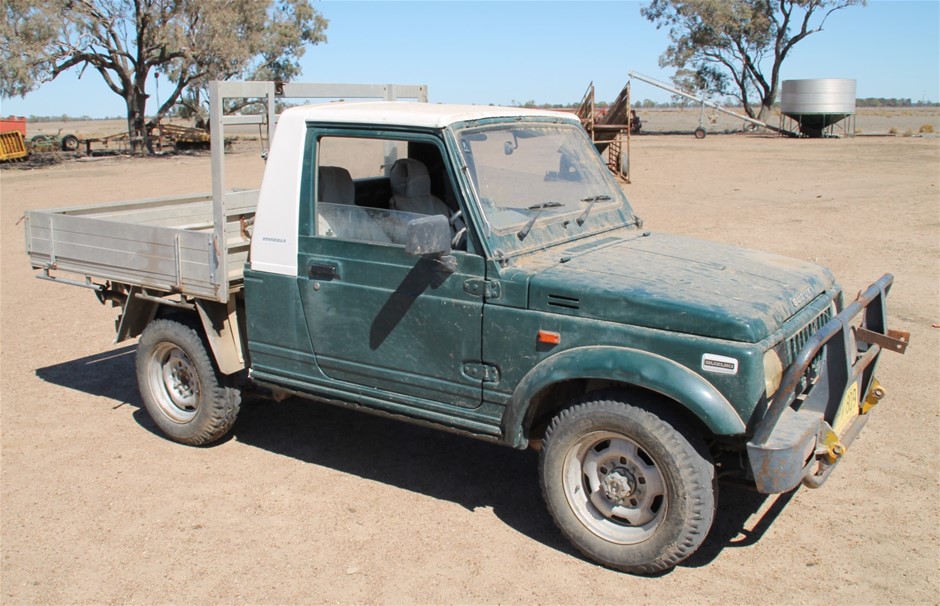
(549, 338)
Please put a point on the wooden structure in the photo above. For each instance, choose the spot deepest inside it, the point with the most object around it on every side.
(609, 129)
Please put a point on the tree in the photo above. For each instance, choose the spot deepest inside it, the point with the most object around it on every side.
(728, 46)
(127, 41)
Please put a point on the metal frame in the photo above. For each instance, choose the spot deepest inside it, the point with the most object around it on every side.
(845, 125)
(191, 245)
(271, 91)
(793, 445)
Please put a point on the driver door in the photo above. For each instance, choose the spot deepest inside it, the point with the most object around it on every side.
(384, 324)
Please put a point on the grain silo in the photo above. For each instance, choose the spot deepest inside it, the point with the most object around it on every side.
(818, 106)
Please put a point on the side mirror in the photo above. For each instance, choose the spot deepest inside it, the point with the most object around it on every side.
(428, 236)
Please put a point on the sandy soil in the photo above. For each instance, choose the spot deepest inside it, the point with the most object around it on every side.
(311, 504)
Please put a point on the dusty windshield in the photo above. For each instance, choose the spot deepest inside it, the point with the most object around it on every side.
(540, 183)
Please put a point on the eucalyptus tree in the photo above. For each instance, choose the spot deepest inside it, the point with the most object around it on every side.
(737, 47)
(129, 41)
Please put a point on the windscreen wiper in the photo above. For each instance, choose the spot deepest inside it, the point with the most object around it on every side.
(522, 233)
(590, 200)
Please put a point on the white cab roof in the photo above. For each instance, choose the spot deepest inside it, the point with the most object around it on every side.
(427, 115)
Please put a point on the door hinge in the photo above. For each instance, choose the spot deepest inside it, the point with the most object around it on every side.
(482, 372)
(488, 289)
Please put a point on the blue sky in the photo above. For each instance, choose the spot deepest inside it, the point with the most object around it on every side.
(505, 52)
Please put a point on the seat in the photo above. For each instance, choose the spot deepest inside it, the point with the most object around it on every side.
(411, 189)
(336, 186)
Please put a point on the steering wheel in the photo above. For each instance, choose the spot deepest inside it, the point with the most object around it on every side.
(459, 227)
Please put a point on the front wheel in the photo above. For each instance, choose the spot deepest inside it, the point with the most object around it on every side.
(625, 487)
(188, 399)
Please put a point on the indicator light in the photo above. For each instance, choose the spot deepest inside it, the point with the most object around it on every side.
(549, 338)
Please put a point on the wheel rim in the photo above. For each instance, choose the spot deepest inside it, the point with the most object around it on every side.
(174, 382)
(615, 488)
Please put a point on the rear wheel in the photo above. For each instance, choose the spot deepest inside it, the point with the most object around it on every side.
(69, 143)
(188, 399)
(626, 487)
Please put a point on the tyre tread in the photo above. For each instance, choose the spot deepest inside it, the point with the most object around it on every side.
(691, 464)
(222, 400)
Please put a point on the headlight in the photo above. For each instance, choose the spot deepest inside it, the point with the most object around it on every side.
(773, 371)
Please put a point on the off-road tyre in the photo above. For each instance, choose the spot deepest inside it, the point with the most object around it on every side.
(189, 400)
(635, 465)
(700, 133)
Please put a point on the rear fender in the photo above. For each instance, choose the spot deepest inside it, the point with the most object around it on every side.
(219, 320)
(136, 314)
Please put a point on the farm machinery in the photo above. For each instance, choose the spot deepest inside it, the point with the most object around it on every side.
(15, 146)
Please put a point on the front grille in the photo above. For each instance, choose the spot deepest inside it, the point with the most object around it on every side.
(797, 341)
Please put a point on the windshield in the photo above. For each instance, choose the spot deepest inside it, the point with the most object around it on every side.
(540, 183)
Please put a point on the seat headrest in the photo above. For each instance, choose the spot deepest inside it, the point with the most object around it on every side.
(336, 185)
(409, 178)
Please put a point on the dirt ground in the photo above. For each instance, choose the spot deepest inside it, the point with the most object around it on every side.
(306, 503)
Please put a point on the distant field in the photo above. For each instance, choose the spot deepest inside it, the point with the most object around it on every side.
(868, 121)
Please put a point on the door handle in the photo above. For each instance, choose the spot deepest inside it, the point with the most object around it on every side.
(322, 271)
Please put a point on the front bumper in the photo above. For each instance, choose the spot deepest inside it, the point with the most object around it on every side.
(803, 437)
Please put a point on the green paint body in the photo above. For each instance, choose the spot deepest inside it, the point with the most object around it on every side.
(404, 336)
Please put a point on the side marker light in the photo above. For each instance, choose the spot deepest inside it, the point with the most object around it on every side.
(549, 338)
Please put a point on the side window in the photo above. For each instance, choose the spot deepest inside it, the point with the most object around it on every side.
(369, 189)
(362, 158)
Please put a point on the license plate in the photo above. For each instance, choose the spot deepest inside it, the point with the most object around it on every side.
(848, 410)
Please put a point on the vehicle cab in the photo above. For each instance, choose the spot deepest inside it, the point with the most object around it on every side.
(378, 323)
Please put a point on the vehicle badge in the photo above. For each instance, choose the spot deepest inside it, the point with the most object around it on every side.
(722, 365)
(802, 297)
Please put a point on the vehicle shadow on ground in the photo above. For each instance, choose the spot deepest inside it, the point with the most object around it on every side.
(110, 374)
(733, 526)
(438, 464)
(427, 461)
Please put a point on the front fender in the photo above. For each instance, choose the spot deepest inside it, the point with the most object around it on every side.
(629, 366)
